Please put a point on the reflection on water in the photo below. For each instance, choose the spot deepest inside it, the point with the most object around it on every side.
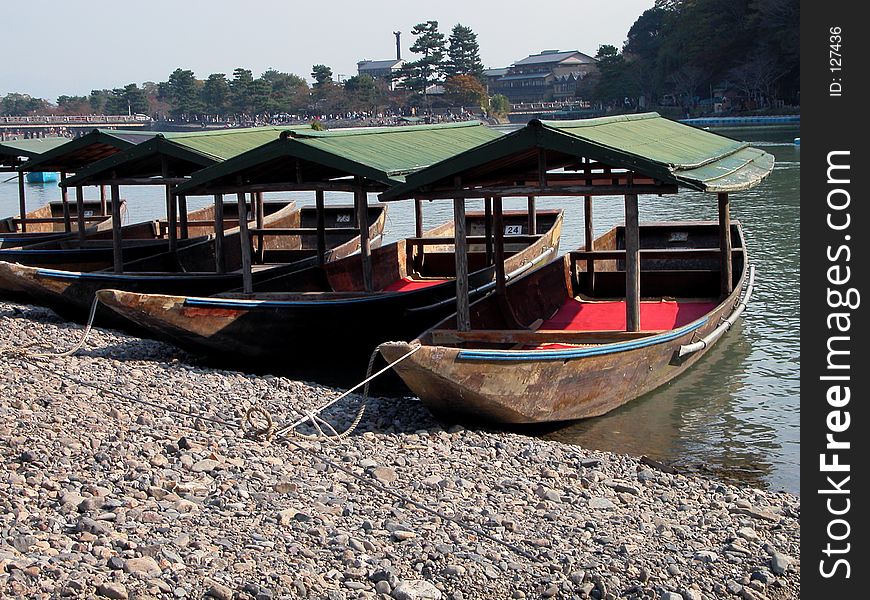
(737, 410)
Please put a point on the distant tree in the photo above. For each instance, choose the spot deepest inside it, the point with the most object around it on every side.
(466, 90)
(116, 102)
(215, 94)
(19, 105)
(362, 91)
(260, 92)
(321, 74)
(239, 89)
(183, 94)
(423, 71)
(73, 105)
(137, 101)
(612, 84)
(97, 101)
(463, 53)
(499, 105)
(289, 92)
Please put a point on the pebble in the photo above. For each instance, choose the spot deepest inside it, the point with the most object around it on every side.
(102, 497)
(416, 590)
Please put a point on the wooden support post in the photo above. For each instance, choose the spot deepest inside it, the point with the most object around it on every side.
(117, 249)
(220, 261)
(257, 200)
(22, 202)
(632, 264)
(64, 195)
(320, 205)
(172, 219)
(590, 243)
(245, 241)
(182, 216)
(725, 267)
(80, 212)
(487, 228)
(365, 249)
(500, 279)
(104, 207)
(418, 217)
(463, 312)
(533, 217)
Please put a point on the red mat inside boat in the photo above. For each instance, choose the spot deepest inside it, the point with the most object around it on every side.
(406, 284)
(610, 316)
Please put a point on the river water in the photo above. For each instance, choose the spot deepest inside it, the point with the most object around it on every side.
(736, 413)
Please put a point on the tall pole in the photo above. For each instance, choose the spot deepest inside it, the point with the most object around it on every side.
(64, 196)
(80, 212)
(463, 312)
(320, 206)
(172, 217)
(261, 220)
(533, 217)
(487, 228)
(365, 249)
(182, 216)
(245, 241)
(22, 202)
(418, 217)
(725, 267)
(632, 264)
(220, 262)
(498, 225)
(590, 263)
(104, 208)
(117, 251)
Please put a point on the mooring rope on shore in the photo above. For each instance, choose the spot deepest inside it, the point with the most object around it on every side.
(287, 439)
(25, 350)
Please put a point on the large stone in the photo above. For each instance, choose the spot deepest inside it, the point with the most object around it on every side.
(145, 565)
(416, 590)
(218, 591)
(206, 465)
(600, 503)
(110, 589)
(779, 562)
(384, 474)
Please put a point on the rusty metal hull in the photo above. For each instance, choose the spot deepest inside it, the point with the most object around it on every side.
(310, 323)
(522, 386)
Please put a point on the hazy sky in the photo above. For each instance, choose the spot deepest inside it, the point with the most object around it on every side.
(55, 47)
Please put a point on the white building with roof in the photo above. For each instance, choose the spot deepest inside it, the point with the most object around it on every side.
(551, 75)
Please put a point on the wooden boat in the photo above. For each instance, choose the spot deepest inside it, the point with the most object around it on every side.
(324, 316)
(562, 351)
(191, 270)
(46, 223)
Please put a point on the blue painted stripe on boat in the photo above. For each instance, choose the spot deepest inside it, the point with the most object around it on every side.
(250, 304)
(516, 355)
(55, 274)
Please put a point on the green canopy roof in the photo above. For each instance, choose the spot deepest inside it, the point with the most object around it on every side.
(645, 144)
(76, 153)
(12, 151)
(380, 154)
(183, 153)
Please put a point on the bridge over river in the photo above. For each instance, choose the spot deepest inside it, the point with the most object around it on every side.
(72, 125)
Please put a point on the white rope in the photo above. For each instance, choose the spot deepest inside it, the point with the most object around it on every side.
(25, 349)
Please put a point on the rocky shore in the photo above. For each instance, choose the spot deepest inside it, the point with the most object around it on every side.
(166, 497)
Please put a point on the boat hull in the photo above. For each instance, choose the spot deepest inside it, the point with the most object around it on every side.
(308, 333)
(70, 294)
(536, 385)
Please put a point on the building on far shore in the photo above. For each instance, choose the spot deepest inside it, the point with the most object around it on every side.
(385, 70)
(550, 76)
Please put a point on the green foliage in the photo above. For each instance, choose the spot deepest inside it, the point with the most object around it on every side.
(239, 90)
(73, 105)
(215, 93)
(499, 105)
(183, 92)
(423, 71)
(463, 53)
(19, 105)
(317, 125)
(363, 92)
(321, 75)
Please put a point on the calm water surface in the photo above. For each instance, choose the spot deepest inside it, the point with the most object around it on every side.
(737, 411)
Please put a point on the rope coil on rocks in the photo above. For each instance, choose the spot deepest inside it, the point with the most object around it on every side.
(25, 350)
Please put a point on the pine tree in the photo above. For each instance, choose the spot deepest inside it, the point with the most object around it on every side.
(423, 71)
(463, 53)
